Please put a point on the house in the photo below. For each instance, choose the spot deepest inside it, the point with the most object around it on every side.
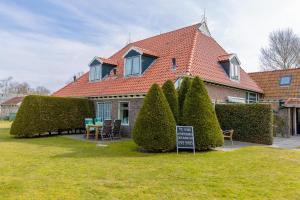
(282, 90)
(10, 107)
(119, 83)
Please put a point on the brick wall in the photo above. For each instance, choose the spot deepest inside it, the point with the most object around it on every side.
(220, 93)
(217, 93)
(134, 107)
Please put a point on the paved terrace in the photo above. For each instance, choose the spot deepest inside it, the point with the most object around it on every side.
(292, 142)
(279, 142)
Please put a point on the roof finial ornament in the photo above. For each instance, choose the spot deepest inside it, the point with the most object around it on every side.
(129, 39)
(203, 25)
(204, 19)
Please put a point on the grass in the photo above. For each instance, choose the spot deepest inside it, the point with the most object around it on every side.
(61, 168)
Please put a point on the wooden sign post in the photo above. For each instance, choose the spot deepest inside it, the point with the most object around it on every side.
(185, 138)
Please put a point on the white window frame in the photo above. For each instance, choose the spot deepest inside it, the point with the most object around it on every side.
(119, 111)
(234, 72)
(105, 111)
(93, 75)
(140, 67)
(247, 97)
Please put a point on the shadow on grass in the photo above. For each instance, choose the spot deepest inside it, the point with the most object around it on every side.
(86, 149)
(77, 148)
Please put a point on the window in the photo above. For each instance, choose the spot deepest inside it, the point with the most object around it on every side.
(95, 73)
(174, 65)
(285, 80)
(132, 66)
(124, 112)
(251, 97)
(234, 72)
(104, 110)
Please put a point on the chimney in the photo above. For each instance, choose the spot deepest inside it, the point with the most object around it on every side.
(74, 78)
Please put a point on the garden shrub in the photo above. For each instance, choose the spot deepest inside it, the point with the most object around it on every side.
(198, 112)
(40, 114)
(183, 89)
(172, 97)
(155, 126)
(250, 122)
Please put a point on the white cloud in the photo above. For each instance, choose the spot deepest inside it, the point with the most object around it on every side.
(42, 60)
(35, 53)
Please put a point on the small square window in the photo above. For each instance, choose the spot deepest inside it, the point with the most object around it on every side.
(285, 80)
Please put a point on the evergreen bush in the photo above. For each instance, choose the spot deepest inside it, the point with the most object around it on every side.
(198, 112)
(250, 122)
(40, 114)
(154, 129)
(172, 97)
(183, 89)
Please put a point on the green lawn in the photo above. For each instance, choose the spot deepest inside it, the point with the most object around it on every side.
(62, 168)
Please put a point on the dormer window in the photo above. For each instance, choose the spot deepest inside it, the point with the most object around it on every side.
(234, 72)
(95, 72)
(231, 66)
(132, 66)
(100, 68)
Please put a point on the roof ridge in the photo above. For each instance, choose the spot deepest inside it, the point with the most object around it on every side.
(276, 70)
(188, 69)
(168, 32)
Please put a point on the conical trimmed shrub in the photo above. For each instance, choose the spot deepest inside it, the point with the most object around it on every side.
(183, 89)
(172, 97)
(154, 128)
(198, 112)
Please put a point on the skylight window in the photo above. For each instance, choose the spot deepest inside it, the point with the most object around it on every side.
(285, 80)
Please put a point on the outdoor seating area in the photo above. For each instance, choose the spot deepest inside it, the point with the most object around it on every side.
(102, 129)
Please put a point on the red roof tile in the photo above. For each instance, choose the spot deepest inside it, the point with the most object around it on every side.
(196, 54)
(269, 82)
(107, 61)
(13, 101)
(224, 57)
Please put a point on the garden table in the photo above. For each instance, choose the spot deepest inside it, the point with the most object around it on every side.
(97, 128)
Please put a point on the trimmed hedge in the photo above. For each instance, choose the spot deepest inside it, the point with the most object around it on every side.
(154, 129)
(172, 97)
(251, 122)
(40, 114)
(198, 112)
(183, 89)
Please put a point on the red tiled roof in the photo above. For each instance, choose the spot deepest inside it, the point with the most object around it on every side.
(144, 51)
(107, 60)
(292, 102)
(224, 57)
(13, 101)
(269, 82)
(196, 54)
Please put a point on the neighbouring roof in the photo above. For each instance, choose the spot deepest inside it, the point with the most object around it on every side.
(269, 81)
(292, 102)
(13, 101)
(196, 54)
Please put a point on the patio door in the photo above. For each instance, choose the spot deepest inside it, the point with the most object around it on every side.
(103, 110)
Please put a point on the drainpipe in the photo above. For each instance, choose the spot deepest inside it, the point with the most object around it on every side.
(295, 121)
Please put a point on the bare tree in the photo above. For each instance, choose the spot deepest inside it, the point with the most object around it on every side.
(41, 90)
(283, 51)
(4, 85)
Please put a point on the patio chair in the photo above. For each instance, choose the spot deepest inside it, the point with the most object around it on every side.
(98, 121)
(89, 121)
(116, 130)
(106, 132)
(228, 134)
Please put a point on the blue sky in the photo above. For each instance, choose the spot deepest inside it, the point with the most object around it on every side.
(45, 42)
